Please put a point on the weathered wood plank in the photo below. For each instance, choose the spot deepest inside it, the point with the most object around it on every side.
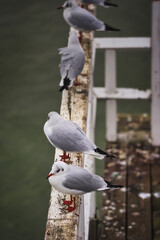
(93, 229)
(61, 224)
(122, 93)
(122, 43)
(155, 172)
(142, 200)
(139, 197)
(114, 202)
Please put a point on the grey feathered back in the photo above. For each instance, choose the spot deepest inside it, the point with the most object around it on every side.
(84, 181)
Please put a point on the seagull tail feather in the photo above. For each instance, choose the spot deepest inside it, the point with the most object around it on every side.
(98, 150)
(106, 3)
(66, 83)
(111, 186)
(109, 28)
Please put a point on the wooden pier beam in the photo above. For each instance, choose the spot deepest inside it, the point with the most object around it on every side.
(61, 224)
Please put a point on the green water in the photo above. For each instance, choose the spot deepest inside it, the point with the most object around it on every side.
(31, 32)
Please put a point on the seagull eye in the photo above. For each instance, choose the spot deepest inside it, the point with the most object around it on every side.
(58, 170)
(62, 169)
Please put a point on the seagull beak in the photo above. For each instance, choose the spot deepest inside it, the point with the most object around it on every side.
(51, 174)
(60, 7)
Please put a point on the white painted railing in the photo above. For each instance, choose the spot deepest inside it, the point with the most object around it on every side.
(155, 107)
(111, 93)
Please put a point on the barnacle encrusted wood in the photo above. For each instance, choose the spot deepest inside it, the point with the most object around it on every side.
(62, 224)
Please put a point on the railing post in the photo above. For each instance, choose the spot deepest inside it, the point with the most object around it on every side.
(110, 86)
(89, 163)
(155, 108)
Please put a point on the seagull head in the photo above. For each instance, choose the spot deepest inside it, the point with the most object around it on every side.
(53, 116)
(68, 4)
(58, 168)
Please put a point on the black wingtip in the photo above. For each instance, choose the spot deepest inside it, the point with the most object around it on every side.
(110, 185)
(106, 3)
(62, 88)
(104, 153)
(66, 83)
(109, 28)
(110, 156)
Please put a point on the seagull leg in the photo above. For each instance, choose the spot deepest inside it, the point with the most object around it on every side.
(76, 83)
(80, 36)
(64, 156)
(71, 209)
(68, 203)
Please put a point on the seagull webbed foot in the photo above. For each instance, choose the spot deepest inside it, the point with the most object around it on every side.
(68, 203)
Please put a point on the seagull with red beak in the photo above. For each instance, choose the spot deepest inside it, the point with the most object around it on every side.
(81, 19)
(75, 180)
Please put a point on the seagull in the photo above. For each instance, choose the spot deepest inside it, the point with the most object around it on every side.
(75, 180)
(81, 19)
(69, 137)
(103, 3)
(72, 61)
(70, 179)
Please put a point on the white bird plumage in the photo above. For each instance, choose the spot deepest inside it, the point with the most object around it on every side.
(72, 61)
(69, 137)
(81, 19)
(75, 180)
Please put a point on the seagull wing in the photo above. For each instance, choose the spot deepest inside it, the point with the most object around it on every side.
(69, 137)
(65, 53)
(84, 20)
(81, 180)
(66, 61)
(72, 60)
